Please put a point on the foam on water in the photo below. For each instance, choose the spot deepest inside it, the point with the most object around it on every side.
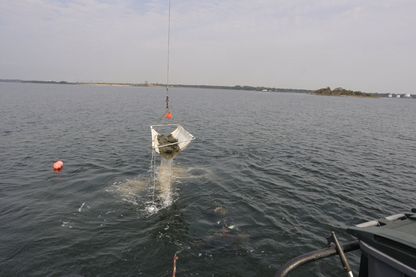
(180, 172)
(165, 182)
(158, 191)
(129, 190)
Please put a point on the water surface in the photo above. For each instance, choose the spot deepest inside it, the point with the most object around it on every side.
(269, 176)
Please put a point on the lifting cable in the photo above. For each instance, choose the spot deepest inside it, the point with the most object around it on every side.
(168, 63)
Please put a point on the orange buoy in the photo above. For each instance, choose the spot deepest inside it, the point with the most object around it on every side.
(169, 115)
(57, 166)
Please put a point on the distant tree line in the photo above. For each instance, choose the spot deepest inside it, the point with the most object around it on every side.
(147, 84)
(342, 92)
(238, 87)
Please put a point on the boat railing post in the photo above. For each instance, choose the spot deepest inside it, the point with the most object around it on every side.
(344, 260)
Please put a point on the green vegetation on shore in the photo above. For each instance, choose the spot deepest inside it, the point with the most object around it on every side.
(342, 92)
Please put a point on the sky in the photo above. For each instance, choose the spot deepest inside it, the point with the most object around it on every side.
(367, 45)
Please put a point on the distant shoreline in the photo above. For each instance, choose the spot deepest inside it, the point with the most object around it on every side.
(343, 92)
(323, 91)
(237, 87)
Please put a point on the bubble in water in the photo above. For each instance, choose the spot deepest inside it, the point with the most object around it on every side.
(66, 224)
(151, 209)
(82, 206)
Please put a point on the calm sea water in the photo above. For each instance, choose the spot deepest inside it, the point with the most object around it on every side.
(269, 176)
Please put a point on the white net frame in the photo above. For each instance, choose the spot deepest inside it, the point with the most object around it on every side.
(179, 133)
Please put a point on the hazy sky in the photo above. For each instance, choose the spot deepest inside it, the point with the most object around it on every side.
(367, 45)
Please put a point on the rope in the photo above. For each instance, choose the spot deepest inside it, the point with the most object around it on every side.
(168, 63)
(175, 258)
